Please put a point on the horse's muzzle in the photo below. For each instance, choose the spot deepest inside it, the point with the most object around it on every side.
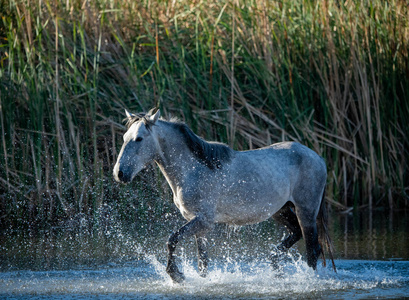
(120, 176)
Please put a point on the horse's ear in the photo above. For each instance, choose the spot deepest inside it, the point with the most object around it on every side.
(153, 118)
(129, 115)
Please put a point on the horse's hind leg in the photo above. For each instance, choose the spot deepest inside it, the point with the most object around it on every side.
(308, 226)
(287, 217)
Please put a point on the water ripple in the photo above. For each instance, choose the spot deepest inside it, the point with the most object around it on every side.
(147, 279)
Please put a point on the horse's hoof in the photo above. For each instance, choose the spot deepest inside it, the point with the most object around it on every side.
(202, 269)
(177, 277)
(174, 273)
(203, 273)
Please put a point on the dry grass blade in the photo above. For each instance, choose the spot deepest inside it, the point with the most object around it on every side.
(333, 76)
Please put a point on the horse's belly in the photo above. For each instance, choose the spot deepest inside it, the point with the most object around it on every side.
(251, 203)
(240, 219)
(244, 212)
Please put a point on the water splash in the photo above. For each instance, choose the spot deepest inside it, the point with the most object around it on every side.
(116, 263)
(147, 278)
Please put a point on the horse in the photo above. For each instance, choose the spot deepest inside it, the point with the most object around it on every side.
(212, 184)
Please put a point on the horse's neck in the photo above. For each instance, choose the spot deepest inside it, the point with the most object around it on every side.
(175, 159)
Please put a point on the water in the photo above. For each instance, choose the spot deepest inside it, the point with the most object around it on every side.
(117, 263)
(147, 279)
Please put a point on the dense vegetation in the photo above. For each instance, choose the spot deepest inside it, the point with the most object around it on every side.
(333, 75)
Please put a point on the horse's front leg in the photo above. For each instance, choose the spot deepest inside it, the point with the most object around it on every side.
(202, 259)
(197, 226)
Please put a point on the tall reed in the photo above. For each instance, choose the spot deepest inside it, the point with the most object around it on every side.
(331, 75)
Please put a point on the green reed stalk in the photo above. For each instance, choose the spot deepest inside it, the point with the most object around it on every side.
(333, 76)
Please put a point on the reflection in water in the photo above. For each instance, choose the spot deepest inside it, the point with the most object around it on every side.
(371, 235)
(374, 236)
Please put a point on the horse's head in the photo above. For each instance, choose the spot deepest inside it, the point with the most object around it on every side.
(140, 146)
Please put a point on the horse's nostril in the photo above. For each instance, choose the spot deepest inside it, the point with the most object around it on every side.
(120, 174)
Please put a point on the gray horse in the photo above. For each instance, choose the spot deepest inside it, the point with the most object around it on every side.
(211, 183)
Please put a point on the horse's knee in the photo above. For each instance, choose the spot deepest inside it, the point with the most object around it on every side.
(291, 239)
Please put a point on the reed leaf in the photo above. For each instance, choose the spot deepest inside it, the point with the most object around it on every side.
(333, 76)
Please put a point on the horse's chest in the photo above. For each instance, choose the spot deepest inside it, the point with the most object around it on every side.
(186, 203)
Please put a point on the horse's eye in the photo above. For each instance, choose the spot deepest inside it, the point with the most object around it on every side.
(138, 139)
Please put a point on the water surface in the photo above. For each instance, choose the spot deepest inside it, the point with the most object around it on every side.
(120, 262)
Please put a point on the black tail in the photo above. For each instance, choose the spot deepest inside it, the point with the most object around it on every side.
(323, 234)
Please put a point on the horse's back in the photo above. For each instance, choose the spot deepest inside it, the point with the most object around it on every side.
(259, 182)
(287, 157)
